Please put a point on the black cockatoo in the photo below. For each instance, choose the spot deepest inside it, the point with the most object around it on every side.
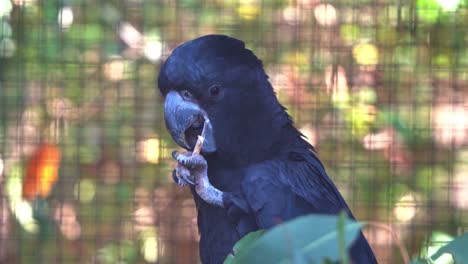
(255, 169)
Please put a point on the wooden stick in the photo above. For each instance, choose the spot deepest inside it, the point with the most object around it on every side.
(198, 146)
(201, 139)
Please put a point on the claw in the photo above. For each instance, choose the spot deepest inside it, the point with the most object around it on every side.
(182, 159)
(188, 168)
(182, 176)
(175, 178)
(189, 160)
(179, 181)
(187, 179)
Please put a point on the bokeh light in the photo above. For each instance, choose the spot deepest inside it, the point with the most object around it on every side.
(149, 150)
(380, 236)
(65, 215)
(65, 17)
(5, 8)
(149, 248)
(406, 208)
(24, 214)
(85, 190)
(248, 9)
(130, 35)
(307, 4)
(449, 5)
(380, 140)
(24, 2)
(114, 68)
(1, 168)
(143, 217)
(292, 15)
(310, 133)
(450, 124)
(349, 33)
(153, 48)
(459, 188)
(366, 54)
(14, 185)
(325, 14)
(337, 85)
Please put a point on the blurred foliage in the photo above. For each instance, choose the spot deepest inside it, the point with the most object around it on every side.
(306, 239)
(456, 247)
(379, 87)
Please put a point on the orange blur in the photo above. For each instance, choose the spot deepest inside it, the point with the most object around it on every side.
(41, 171)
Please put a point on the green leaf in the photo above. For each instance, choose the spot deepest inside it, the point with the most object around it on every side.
(342, 237)
(457, 248)
(310, 238)
(299, 257)
(244, 244)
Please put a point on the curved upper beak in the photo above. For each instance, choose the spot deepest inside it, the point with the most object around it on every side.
(181, 115)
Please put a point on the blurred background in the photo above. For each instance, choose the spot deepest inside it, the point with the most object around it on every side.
(379, 87)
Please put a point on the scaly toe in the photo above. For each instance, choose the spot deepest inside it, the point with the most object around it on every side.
(187, 179)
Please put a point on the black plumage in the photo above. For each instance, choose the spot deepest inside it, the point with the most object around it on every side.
(266, 170)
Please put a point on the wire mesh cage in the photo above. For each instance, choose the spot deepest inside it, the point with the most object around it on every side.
(378, 87)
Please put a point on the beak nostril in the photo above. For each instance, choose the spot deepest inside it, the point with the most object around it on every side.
(186, 95)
